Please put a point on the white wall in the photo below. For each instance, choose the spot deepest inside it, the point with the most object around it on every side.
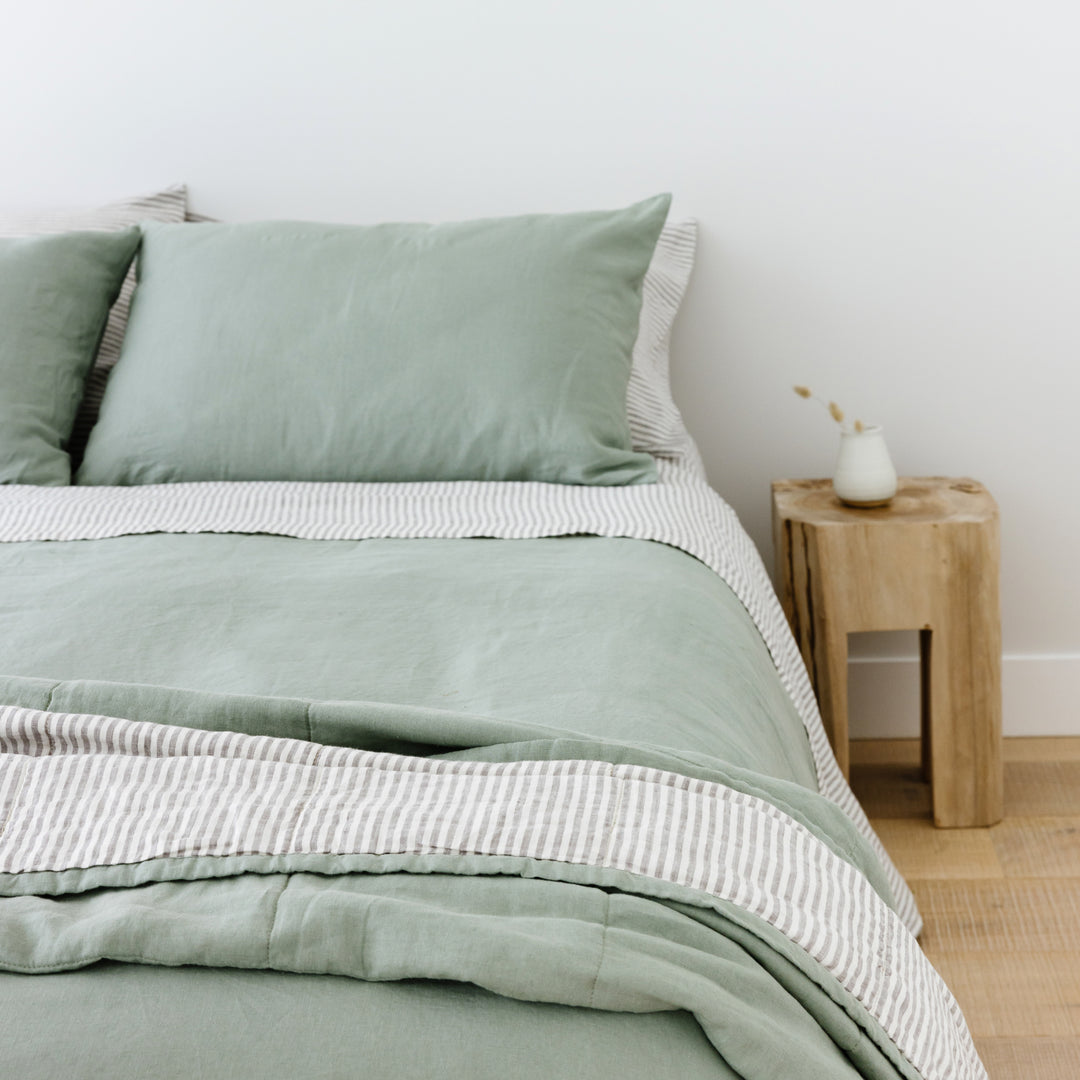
(889, 197)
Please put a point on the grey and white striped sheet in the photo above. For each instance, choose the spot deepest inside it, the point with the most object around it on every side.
(139, 791)
(680, 510)
(169, 205)
(656, 425)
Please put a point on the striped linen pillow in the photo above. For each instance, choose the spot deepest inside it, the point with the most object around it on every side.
(168, 205)
(656, 426)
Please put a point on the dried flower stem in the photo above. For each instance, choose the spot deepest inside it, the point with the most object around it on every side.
(832, 409)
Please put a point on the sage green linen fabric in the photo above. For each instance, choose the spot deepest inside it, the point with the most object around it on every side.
(576, 647)
(135, 1022)
(55, 295)
(765, 1012)
(497, 349)
(525, 929)
(613, 638)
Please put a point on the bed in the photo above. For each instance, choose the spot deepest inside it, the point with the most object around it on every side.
(420, 773)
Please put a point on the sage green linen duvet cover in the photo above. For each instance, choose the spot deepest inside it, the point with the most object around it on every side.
(608, 637)
(577, 648)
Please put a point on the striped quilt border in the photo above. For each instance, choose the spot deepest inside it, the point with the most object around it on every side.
(680, 510)
(132, 791)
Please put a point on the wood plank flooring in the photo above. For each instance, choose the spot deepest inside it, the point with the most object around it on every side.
(1001, 905)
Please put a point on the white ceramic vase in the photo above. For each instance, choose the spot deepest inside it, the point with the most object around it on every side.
(864, 471)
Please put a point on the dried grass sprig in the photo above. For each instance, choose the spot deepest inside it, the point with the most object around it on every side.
(831, 408)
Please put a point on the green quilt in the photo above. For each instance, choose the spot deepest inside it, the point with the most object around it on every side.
(467, 650)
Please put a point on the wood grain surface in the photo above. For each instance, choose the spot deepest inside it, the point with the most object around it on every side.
(1002, 904)
(927, 562)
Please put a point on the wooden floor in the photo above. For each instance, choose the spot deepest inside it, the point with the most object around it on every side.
(1002, 905)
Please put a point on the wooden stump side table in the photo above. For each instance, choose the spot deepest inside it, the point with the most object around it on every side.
(926, 562)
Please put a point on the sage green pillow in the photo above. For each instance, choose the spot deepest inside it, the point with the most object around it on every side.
(55, 295)
(497, 349)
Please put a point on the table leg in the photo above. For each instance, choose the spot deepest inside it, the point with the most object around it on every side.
(830, 671)
(965, 688)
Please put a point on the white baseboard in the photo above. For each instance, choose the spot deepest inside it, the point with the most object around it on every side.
(1040, 696)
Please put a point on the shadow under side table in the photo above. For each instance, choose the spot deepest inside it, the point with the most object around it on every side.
(929, 562)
